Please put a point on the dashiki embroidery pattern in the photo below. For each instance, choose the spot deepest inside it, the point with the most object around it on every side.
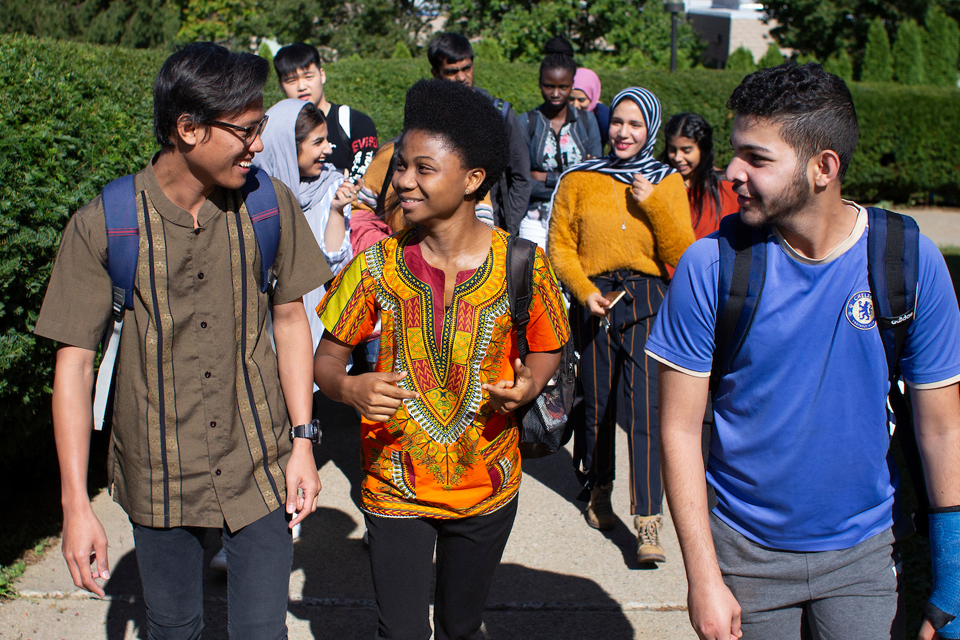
(446, 453)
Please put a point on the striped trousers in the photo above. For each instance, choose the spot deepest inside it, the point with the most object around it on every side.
(620, 387)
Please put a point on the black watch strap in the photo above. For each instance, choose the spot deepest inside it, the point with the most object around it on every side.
(310, 431)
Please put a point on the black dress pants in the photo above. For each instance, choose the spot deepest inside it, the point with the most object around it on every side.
(401, 558)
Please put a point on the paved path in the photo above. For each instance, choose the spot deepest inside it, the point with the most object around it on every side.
(940, 225)
(559, 578)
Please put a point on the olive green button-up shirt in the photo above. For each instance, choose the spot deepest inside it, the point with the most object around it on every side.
(199, 425)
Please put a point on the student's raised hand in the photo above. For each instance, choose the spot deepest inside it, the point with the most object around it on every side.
(507, 396)
(642, 188)
(376, 395)
(346, 193)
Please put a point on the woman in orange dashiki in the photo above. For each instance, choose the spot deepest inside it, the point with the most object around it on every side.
(439, 441)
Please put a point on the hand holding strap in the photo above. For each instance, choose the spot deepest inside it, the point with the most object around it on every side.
(943, 608)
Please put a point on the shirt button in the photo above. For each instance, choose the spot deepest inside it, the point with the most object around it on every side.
(196, 232)
(200, 275)
(203, 325)
(206, 374)
(213, 423)
(218, 471)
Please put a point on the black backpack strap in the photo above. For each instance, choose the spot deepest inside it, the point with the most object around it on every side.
(531, 122)
(893, 266)
(743, 266)
(520, 256)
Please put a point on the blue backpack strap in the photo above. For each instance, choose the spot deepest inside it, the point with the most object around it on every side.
(261, 200)
(893, 255)
(743, 267)
(119, 200)
(893, 266)
(502, 106)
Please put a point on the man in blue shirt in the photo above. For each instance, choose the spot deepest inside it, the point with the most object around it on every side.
(807, 522)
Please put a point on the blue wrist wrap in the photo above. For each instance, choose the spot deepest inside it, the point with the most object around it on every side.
(943, 608)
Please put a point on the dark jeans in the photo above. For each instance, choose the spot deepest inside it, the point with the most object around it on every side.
(401, 557)
(259, 559)
(620, 386)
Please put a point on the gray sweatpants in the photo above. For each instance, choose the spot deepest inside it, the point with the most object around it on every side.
(849, 594)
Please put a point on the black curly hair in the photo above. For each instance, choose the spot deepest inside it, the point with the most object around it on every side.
(466, 119)
(812, 107)
(704, 182)
(558, 54)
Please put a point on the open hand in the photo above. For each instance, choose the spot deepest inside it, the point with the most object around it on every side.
(376, 395)
(507, 396)
(303, 481)
(85, 543)
(641, 189)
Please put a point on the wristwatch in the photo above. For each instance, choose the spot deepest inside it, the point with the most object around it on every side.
(311, 431)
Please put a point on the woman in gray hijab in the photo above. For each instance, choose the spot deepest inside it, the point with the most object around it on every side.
(294, 149)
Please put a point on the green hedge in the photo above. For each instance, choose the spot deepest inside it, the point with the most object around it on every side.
(74, 116)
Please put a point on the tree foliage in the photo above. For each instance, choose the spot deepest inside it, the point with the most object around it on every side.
(741, 60)
(877, 58)
(941, 48)
(771, 58)
(908, 54)
(839, 64)
(824, 27)
(605, 33)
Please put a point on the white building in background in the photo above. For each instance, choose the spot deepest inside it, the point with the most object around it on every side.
(725, 25)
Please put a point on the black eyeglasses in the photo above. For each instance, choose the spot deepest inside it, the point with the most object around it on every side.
(249, 133)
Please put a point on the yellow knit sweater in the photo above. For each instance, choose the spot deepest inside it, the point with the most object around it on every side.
(586, 238)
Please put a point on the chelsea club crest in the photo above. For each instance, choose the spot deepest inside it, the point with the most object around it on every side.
(859, 311)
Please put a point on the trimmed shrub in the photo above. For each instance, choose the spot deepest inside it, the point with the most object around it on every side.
(840, 64)
(401, 51)
(877, 58)
(908, 53)
(772, 58)
(488, 49)
(741, 60)
(941, 48)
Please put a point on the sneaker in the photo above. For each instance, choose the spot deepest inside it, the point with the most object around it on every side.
(599, 513)
(219, 561)
(649, 548)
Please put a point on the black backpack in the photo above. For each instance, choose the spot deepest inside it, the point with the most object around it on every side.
(893, 259)
(544, 424)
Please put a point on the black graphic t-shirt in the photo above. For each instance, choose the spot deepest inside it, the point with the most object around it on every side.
(354, 142)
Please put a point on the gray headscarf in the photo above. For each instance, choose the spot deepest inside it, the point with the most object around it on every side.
(279, 155)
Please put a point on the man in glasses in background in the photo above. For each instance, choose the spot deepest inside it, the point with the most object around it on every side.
(203, 407)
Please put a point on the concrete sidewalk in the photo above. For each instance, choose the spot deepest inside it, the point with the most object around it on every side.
(940, 225)
(558, 579)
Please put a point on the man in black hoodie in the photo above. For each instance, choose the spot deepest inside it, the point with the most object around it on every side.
(451, 58)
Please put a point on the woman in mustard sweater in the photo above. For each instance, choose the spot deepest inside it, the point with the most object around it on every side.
(616, 223)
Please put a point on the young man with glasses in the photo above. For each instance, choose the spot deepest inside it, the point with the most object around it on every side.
(202, 435)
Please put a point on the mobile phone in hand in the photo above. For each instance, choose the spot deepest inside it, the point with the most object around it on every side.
(613, 297)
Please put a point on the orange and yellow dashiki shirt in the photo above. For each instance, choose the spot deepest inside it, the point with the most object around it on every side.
(447, 453)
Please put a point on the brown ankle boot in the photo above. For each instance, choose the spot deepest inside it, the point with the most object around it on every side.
(649, 548)
(599, 513)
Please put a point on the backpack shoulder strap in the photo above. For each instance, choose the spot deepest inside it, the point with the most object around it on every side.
(502, 105)
(119, 199)
(893, 264)
(520, 256)
(743, 266)
(382, 196)
(343, 115)
(531, 123)
(261, 200)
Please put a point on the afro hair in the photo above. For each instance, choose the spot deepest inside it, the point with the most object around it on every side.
(813, 108)
(466, 119)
